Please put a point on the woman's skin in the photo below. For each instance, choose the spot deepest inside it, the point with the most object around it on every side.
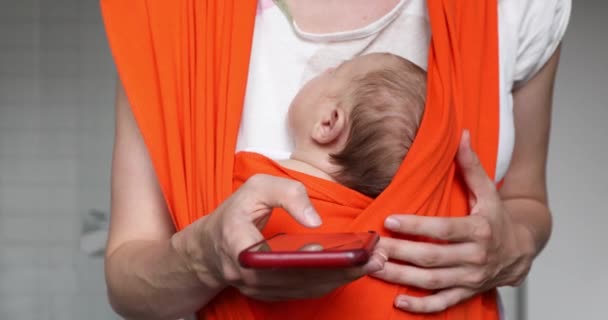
(154, 272)
(327, 16)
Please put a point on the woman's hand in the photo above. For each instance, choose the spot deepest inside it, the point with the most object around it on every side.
(215, 242)
(486, 249)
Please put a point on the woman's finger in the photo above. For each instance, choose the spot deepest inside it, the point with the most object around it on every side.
(455, 229)
(432, 279)
(433, 303)
(429, 255)
(270, 192)
(283, 293)
(297, 284)
(376, 262)
(472, 170)
(250, 206)
(301, 277)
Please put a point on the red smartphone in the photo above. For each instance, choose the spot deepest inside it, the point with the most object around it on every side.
(314, 250)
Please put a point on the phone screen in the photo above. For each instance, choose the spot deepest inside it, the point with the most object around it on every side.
(312, 242)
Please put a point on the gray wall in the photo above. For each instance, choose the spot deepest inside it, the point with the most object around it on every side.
(56, 97)
(570, 279)
(56, 83)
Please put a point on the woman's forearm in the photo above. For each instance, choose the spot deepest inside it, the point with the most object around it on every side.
(524, 191)
(152, 280)
(534, 218)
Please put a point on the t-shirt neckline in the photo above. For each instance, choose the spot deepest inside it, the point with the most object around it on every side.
(355, 34)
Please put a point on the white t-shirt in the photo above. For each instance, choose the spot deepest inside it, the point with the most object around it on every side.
(284, 57)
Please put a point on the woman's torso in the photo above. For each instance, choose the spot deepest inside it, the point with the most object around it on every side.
(286, 54)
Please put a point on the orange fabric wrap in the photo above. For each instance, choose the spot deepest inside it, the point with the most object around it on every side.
(184, 66)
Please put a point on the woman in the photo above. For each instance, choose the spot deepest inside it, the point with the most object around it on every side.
(155, 272)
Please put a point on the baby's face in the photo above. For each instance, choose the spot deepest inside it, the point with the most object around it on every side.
(319, 95)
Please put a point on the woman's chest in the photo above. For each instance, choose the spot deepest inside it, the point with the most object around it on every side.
(285, 56)
(329, 16)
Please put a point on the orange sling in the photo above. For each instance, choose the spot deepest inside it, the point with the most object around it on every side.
(184, 66)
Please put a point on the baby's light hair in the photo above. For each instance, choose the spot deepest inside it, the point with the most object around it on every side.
(386, 106)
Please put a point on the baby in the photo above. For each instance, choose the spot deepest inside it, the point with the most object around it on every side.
(355, 123)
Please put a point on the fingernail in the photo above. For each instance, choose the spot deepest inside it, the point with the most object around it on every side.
(391, 223)
(312, 217)
(401, 303)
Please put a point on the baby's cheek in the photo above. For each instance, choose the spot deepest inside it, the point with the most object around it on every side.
(291, 115)
(295, 118)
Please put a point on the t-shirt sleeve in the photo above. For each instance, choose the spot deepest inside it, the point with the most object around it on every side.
(541, 29)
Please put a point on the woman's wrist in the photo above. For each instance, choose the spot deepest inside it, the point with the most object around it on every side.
(189, 246)
(532, 220)
(526, 243)
(531, 223)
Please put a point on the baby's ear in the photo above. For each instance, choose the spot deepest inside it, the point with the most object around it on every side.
(330, 126)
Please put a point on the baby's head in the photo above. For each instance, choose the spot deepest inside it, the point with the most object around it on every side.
(356, 122)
